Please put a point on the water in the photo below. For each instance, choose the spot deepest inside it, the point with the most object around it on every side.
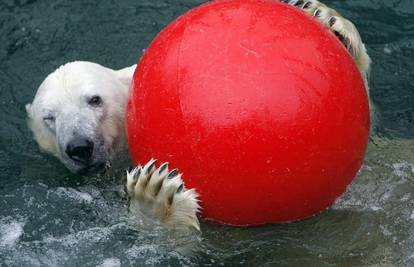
(49, 217)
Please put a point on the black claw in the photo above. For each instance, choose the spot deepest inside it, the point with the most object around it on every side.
(307, 4)
(180, 188)
(345, 42)
(332, 21)
(341, 38)
(317, 13)
(163, 167)
(172, 174)
(151, 166)
(136, 175)
(299, 2)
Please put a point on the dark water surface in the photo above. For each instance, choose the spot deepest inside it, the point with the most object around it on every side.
(49, 217)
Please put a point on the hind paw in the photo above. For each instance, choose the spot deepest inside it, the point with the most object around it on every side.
(160, 193)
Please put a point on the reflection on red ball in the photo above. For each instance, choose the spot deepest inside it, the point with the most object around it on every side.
(260, 107)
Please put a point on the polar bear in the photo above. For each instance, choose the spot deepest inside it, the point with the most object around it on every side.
(78, 114)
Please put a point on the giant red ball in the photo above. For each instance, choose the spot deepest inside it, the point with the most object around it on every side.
(259, 105)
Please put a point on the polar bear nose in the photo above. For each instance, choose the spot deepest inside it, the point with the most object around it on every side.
(80, 150)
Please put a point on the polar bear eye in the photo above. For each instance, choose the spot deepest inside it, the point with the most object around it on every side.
(95, 101)
(49, 120)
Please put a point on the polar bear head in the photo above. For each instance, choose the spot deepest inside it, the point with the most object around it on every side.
(78, 114)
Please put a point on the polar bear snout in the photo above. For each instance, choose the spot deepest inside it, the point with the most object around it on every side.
(83, 154)
(80, 150)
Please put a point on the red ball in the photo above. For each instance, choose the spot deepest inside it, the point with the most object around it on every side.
(259, 105)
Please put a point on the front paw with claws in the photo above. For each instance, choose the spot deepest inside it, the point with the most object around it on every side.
(344, 29)
(160, 193)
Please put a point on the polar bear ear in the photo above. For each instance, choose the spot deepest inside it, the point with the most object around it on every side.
(125, 75)
(29, 110)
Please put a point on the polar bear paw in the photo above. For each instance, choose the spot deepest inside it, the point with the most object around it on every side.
(344, 29)
(160, 193)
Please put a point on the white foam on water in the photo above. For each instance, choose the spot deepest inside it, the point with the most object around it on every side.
(74, 194)
(375, 208)
(110, 262)
(412, 215)
(91, 235)
(403, 168)
(10, 233)
(149, 252)
(406, 197)
(387, 50)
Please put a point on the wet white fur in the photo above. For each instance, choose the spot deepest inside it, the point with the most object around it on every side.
(61, 90)
(76, 77)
